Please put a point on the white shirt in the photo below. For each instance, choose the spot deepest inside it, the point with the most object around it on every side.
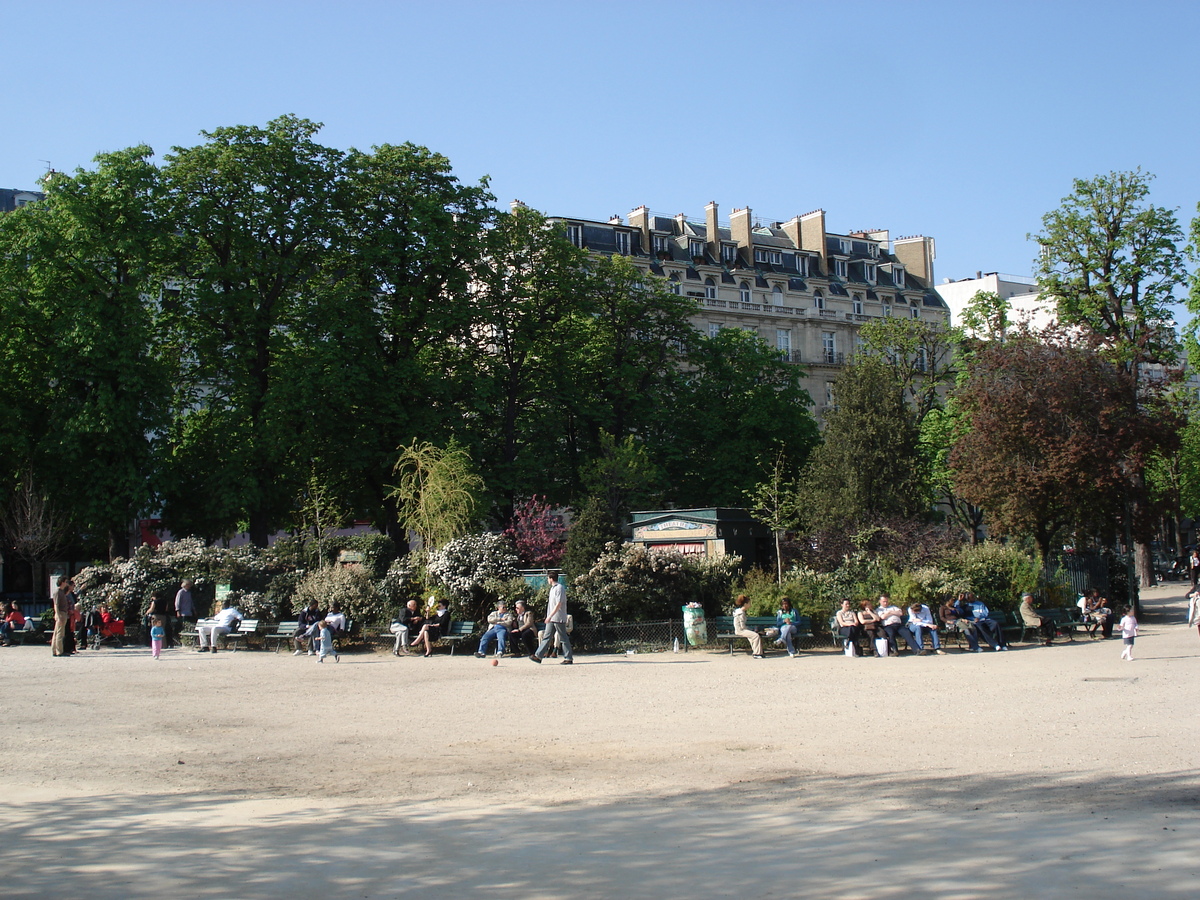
(556, 609)
(226, 617)
(337, 621)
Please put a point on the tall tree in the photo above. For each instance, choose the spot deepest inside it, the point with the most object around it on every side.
(1110, 261)
(257, 209)
(773, 502)
(921, 353)
(79, 357)
(870, 465)
(1051, 431)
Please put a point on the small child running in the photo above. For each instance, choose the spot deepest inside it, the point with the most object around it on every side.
(327, 643)
(1128, 633)
(157, 634)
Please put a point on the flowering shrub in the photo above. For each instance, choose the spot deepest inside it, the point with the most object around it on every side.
(537, 533)
(629, 583)
(350, 587)
(464, 565)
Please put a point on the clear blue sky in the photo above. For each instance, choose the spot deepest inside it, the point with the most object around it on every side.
(965, 121)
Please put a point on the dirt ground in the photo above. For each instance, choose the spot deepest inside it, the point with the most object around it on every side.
(1042, 772)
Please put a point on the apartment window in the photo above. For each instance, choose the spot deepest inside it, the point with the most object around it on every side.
(575, 235)
(922, 360)
(770, 257)
(828, 345)
(818, 300)
(857, 304)
(714, 328)
(887, 309)
(783, 341)
(744, 292)
(916, 312)
(661, 244)
(729, 253)
(710, 289)
(622, 239)
(801, 265)
(696, 248)
(675, 288)
(869, 272)
(777, 296)
(829, 393)
(839, 268)
(898, 276)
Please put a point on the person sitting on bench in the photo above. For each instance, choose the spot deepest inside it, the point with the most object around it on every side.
(223, 623)
(499, 622)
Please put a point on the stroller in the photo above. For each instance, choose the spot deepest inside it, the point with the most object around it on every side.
(101, 633)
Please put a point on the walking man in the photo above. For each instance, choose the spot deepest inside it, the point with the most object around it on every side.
(556, 622)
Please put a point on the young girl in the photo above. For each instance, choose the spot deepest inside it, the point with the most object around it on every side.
(1128, 633)
(157, 634)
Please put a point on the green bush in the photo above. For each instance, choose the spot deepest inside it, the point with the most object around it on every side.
(348, 586)
(996, 573)
(629, 583)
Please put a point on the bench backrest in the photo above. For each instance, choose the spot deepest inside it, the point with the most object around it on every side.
(247, 626)
(461, 629)
(287, 628)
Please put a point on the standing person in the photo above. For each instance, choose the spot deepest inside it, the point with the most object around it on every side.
(185, 608)
(326, 641)
(161, 610)
(785, 621)
(62, 617)
(1128, 633)
(157, 632)
(1194, 565)
(556, 622)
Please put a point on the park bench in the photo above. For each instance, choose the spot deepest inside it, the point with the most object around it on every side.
(283, 634)
(35, 635)
(1065, 622)
(457, 633)
(244, 629)
(724, 625)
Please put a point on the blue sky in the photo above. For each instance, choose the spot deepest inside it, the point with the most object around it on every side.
(963, 121)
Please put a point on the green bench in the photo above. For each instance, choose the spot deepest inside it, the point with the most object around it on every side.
(283, 634)
(724, 626)
(242, 633)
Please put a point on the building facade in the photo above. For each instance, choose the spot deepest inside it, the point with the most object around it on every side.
(1024, 298)
(12, 198)
(803, 290)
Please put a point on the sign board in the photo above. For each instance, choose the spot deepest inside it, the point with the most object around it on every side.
(674, 528)
(223, 591)
(349, 556)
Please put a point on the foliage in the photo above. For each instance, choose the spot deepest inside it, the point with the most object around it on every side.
(465, 568)
(438, 492)
(590, 532)
(870, 465)
(378, 552)
(629, 583)
(621, 473)
(996, 573)
(774, 504)
(350, 587)
(921, 353)
(537, 533)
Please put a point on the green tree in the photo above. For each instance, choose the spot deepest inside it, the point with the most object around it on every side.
(437, 493)
(870, 465)
(1111, 263)
(591, 531)
(774, 502)
(84, 382)
(921, 353)
(257, 211)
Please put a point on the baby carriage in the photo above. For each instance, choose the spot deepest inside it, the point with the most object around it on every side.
(104, 630)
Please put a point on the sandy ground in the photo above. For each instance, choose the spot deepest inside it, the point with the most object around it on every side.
(1043, 772)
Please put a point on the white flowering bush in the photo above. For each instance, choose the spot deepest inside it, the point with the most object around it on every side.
(350, 587)
(629, 583)
(463, 566)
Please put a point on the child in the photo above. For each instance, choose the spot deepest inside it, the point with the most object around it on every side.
(1128, 633)
(157, 634)
(327, 642)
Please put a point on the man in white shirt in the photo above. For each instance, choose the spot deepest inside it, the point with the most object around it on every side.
(222, 623)
(556, 622)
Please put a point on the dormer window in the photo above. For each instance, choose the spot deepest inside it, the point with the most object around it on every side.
(898, 276)
(575, 235)
(801, 265)
(744, 292)
(839, 268)
(696, 248)
(622, 241)
(916, 312)
(869, 272)
(818, 301)
(769, 257)
(661, 243)
(729, 253)
(844, 246)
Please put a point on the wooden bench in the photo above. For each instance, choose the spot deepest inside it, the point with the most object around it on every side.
(724, 626)
(283, 634)
(245, 628)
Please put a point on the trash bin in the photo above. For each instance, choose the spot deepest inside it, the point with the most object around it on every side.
(694, 625)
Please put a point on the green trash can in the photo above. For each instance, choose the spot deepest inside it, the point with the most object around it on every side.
(694, 625)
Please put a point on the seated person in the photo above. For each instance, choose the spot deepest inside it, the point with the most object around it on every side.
(740, 628)
(405, 627)
(848, 628)
(435, 626)
(920, 619)
(222, 623)
(13, 621)
(1095, 609)
(110, 624)
(785, 621)
(870, 625)
(955, 615)
(1031, 618)
(989, 628)
(523, 632)
(499, 623)
(892, 618)
(336, 620)
(305, 621)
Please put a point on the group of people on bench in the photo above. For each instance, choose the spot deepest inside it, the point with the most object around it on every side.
(318, 630)
(413, 629)
(885, 626)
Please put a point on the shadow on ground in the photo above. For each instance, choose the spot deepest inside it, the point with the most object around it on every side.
(975, 837)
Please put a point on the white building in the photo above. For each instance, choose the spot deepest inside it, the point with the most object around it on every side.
(1024, 299)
